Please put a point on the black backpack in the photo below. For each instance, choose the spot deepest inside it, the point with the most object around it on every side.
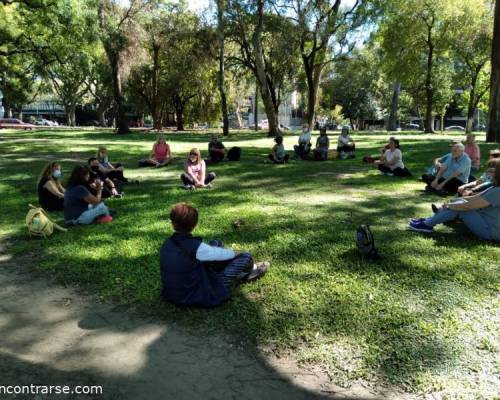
(366, 243)
(234, 154)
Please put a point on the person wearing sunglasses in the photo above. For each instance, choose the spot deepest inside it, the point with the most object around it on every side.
(195, 175)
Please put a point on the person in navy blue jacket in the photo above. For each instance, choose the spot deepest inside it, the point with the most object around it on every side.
(196, 274)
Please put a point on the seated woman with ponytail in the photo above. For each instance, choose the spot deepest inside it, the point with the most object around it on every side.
(80, 206)
(50, 189)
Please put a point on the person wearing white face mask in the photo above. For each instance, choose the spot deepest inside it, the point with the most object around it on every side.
(49, 187)
(114, 172)
(304, 147)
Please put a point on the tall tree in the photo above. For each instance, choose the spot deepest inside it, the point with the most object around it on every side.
(116, 26)
(472, 47)
(416, 35)
(493, 134)
(324, 34)
(221, 6)
(267, 45)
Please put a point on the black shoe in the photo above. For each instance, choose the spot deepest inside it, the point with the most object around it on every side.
(435, 208)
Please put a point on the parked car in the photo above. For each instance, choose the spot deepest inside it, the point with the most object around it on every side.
(454, 128)
(13, 123)
(411, 127)
(45, 122)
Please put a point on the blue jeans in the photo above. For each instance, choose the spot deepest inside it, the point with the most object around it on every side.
(87, 217)
(472, 219)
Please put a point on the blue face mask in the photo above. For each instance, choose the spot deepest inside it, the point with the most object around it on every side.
(57, 173)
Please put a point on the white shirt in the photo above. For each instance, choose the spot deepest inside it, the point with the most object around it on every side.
(392, 156)
(344, 140)
(305, 137)
(213, 253)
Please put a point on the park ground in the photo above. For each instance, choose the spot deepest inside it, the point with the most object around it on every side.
(424, 320)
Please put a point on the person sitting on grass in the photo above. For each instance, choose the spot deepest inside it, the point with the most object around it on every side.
(109, 189)
(160, 153)
(432, 171)
(80, 206)
(216, 150)
(49, 187)
(345, 144)
(279, 155)
(453, 173)
(322, 146)
(473, 151)
(196, 274)
(391, 163)
(480, 213)
(483, 183)
(195, 175)
(111, 171)
(303, 149)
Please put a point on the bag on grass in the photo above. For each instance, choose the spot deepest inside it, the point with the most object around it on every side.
(366, 243)
(234, 154)
(39, 224)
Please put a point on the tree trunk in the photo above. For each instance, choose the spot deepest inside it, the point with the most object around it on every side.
(155, 101)
(238, 115)
(7, 113)
(442, 122)
(220, 77)
(101, 112)
(493, 134)
(121, 118)
(179, 115)
(261, 72)
(392, 124)
(256, 107)
(429, 89)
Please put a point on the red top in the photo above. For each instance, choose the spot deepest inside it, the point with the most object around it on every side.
(162, 151)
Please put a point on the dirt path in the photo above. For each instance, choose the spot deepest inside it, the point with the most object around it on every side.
(51, 335)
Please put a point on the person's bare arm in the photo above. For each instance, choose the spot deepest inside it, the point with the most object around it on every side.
(475, 202)
(91, 199)
(52, 188)
(203, 173)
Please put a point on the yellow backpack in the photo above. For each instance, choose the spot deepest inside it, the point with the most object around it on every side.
(39, 224)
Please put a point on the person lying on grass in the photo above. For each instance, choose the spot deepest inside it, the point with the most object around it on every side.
(484, 182)
(322, 146)
(480, 213)
(391, 163)
(278, 154)
(194, 175)
(196, 274)
(109, 189)
(80, 206)
(345, 144)
(216, 150)
(111, 171)
(453, 173)
(160, 153)
(49, 188)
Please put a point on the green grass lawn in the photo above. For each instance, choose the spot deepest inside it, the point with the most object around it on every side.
(425, 318)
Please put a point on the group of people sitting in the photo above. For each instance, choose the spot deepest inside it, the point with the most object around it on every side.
(88, 185)
(197, 274)
(304, 151)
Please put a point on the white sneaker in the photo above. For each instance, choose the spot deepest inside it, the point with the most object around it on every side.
(382, 173)
(390, 174)
(188, 187)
